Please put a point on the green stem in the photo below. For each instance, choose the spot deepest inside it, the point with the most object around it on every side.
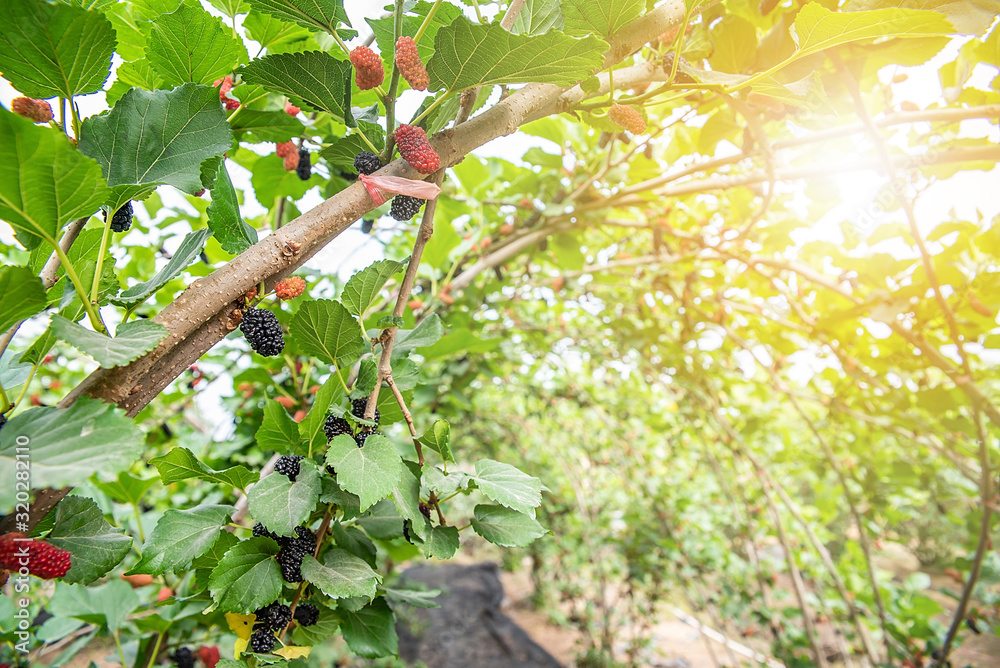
(95, 289)
(4, 401)
(156, 650)
(118, 646)
(62, 114)
(81, 291)
(235, 113)
(479, 14)
(366, 141)
(24, 390)
(427, 21)
(341, 379)
(76, 118)
(678, 41)
(389, 99)
(434, 105)
(138, 522)
(340, 42)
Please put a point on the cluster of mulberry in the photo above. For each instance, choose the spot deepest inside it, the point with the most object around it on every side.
(42, 559)
(409, 64)
(263, 332)
(38, 111)
(183, 657)
(290, 288)
(368, 69)
(628, 118)
(261, 640)
(304, 166)
(274, 617)
(416, 150)
(288, 466)
(367, 163)
(122, 220)
(292, 552)
(289, 153)
(225, 84)
(405, 207)
(306, 614)
(291, 109)
(335, 426)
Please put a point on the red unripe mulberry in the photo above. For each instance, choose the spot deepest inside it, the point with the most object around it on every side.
(38, 111)
(368, 69)
(290, 288)
(416, 150)
(291, 110)
(628, 118)
(42, 559)
(409, 64)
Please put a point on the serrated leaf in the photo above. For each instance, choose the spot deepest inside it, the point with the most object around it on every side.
(230, 7)
(185, 254)
(347, 502)
(277, 430)
(367, 377)
(179, 537)
(355, 541)
(438, 439)
(69, 444)
(325, 329)
(269, 31)
(132, 340)
(13, 372)
(427, 333)
(818, 28)
(248, 577)
(468, 54)
(189, 44)
(22, 295)
(600, 17)
(371, 631)
(537, 17)
(204, 564)
(508, 486)
(181, 464)
(505, 527)
(182, 128)
(444, 485)
(442, 543)
(44, 181)
(96, 546)
(107, 605)
(280, 504)
(406, 496)
(126, 488)
(310, 14)
(49, 50)
(382, 521)
(312, 78)
(341, 575)
(276, 126)
(318, 633)
(224, 218)
(371, 472)
(362, 288)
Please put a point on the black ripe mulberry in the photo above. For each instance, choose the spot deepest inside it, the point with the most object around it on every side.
(367, 225)
(261, 530)
(183, 657)
(306, 614)
(358, 407)
(367, 162)
(405, 207)
(304, 168)
(261, 640)
(291, 569)
(288, 465)
(263, 332)
(276, 616)
(292, 552)
(362, 436)
(407, 536)
(335, 426)
(122, 220)
(425, 510)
